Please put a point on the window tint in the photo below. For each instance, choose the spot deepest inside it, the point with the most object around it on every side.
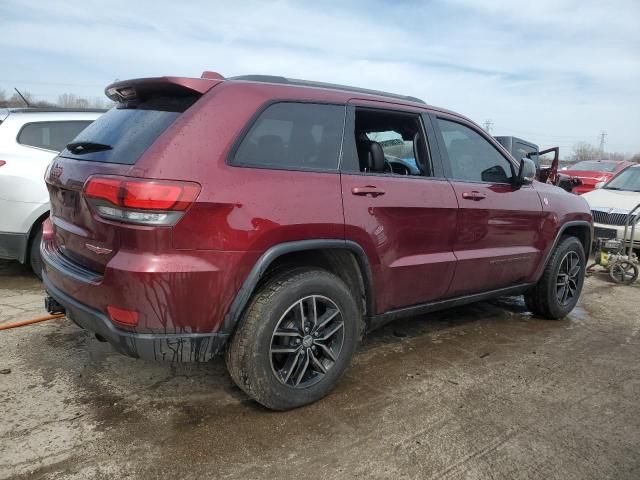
(294, 135)
(472, 157)
(130, 129)
(50, 135)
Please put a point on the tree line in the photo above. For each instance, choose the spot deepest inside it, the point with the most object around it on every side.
(66, 100)
(585, 151)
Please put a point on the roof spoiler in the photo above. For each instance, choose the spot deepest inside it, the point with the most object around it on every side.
(141, 88)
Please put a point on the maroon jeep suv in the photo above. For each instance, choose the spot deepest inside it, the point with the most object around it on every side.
(278, 220)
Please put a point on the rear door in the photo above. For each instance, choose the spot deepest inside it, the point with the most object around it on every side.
(403, 211)
(110, 146)
(497, 239)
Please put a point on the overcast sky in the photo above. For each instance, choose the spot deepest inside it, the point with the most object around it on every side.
(552, 71)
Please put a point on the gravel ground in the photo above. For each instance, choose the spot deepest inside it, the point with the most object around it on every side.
(484, 391)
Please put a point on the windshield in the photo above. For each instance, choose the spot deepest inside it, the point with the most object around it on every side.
(594, 167)
(628, 179)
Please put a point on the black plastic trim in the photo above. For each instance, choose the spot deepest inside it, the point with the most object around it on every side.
(173, 347)
(246, 290)
(380, 320)
(13, 246)
(561, 230)
(54, 259)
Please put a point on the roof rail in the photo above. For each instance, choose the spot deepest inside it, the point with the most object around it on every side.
(332, 86)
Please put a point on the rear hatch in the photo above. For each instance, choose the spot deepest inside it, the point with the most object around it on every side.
(109, 149)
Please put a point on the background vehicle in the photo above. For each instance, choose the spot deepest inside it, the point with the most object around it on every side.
(29, 139)
(591, 172)
(611, 204)
(261, 215)
(520, 148)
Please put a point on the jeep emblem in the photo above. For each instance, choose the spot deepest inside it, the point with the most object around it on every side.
(56, 171)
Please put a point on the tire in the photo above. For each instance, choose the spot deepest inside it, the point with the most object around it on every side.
(559, 288)
(35, 260)
(258, 358)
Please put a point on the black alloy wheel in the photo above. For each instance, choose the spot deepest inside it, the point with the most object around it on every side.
(307, 341)
(568, 278)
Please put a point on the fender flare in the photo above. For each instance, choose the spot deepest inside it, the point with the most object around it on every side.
(267, 258)
(561, 230)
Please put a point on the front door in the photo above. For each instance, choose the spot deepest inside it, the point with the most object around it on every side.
(397, 205)
(497, 240)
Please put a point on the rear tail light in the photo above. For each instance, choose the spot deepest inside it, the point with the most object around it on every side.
(2, 162)
(140, 201)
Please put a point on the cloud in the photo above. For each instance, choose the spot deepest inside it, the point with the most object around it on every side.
(559, 71)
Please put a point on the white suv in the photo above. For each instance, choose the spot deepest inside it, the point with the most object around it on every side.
(29, 139)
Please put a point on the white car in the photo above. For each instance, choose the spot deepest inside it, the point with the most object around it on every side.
(612, 202)
(29, 139)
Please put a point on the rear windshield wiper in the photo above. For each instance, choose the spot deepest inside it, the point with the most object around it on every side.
(79, 148)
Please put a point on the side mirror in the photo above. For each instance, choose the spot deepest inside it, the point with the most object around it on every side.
(526, 172)
(535, 158)
(600, 184)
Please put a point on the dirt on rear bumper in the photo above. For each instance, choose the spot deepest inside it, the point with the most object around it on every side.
(180, 347)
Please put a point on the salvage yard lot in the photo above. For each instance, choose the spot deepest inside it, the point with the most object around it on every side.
(477, 392)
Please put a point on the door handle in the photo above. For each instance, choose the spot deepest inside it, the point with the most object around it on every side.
(368, 190)
(475, 196)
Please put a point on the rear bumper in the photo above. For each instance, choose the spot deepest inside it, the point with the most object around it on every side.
(173, 292)
(13, 246)
(183, 347)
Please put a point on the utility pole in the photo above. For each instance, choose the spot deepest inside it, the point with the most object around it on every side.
(488, 124)
(602, 135)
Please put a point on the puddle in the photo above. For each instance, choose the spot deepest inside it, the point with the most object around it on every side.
(579, 314)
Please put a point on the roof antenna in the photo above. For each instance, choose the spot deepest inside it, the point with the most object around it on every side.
(22, 97)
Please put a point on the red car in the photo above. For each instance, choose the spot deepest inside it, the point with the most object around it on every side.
(279, 220)
(591, 172)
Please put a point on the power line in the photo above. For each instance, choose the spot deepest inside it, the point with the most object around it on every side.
(487, 125)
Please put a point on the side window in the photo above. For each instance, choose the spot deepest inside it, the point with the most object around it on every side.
(50, 135)
(303, 136)
(472, 157)
(390, 142)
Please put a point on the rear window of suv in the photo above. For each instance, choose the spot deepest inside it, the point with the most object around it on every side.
(129, 130)
(50, 135)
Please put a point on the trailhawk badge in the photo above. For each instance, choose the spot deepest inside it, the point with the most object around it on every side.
(98, 250)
